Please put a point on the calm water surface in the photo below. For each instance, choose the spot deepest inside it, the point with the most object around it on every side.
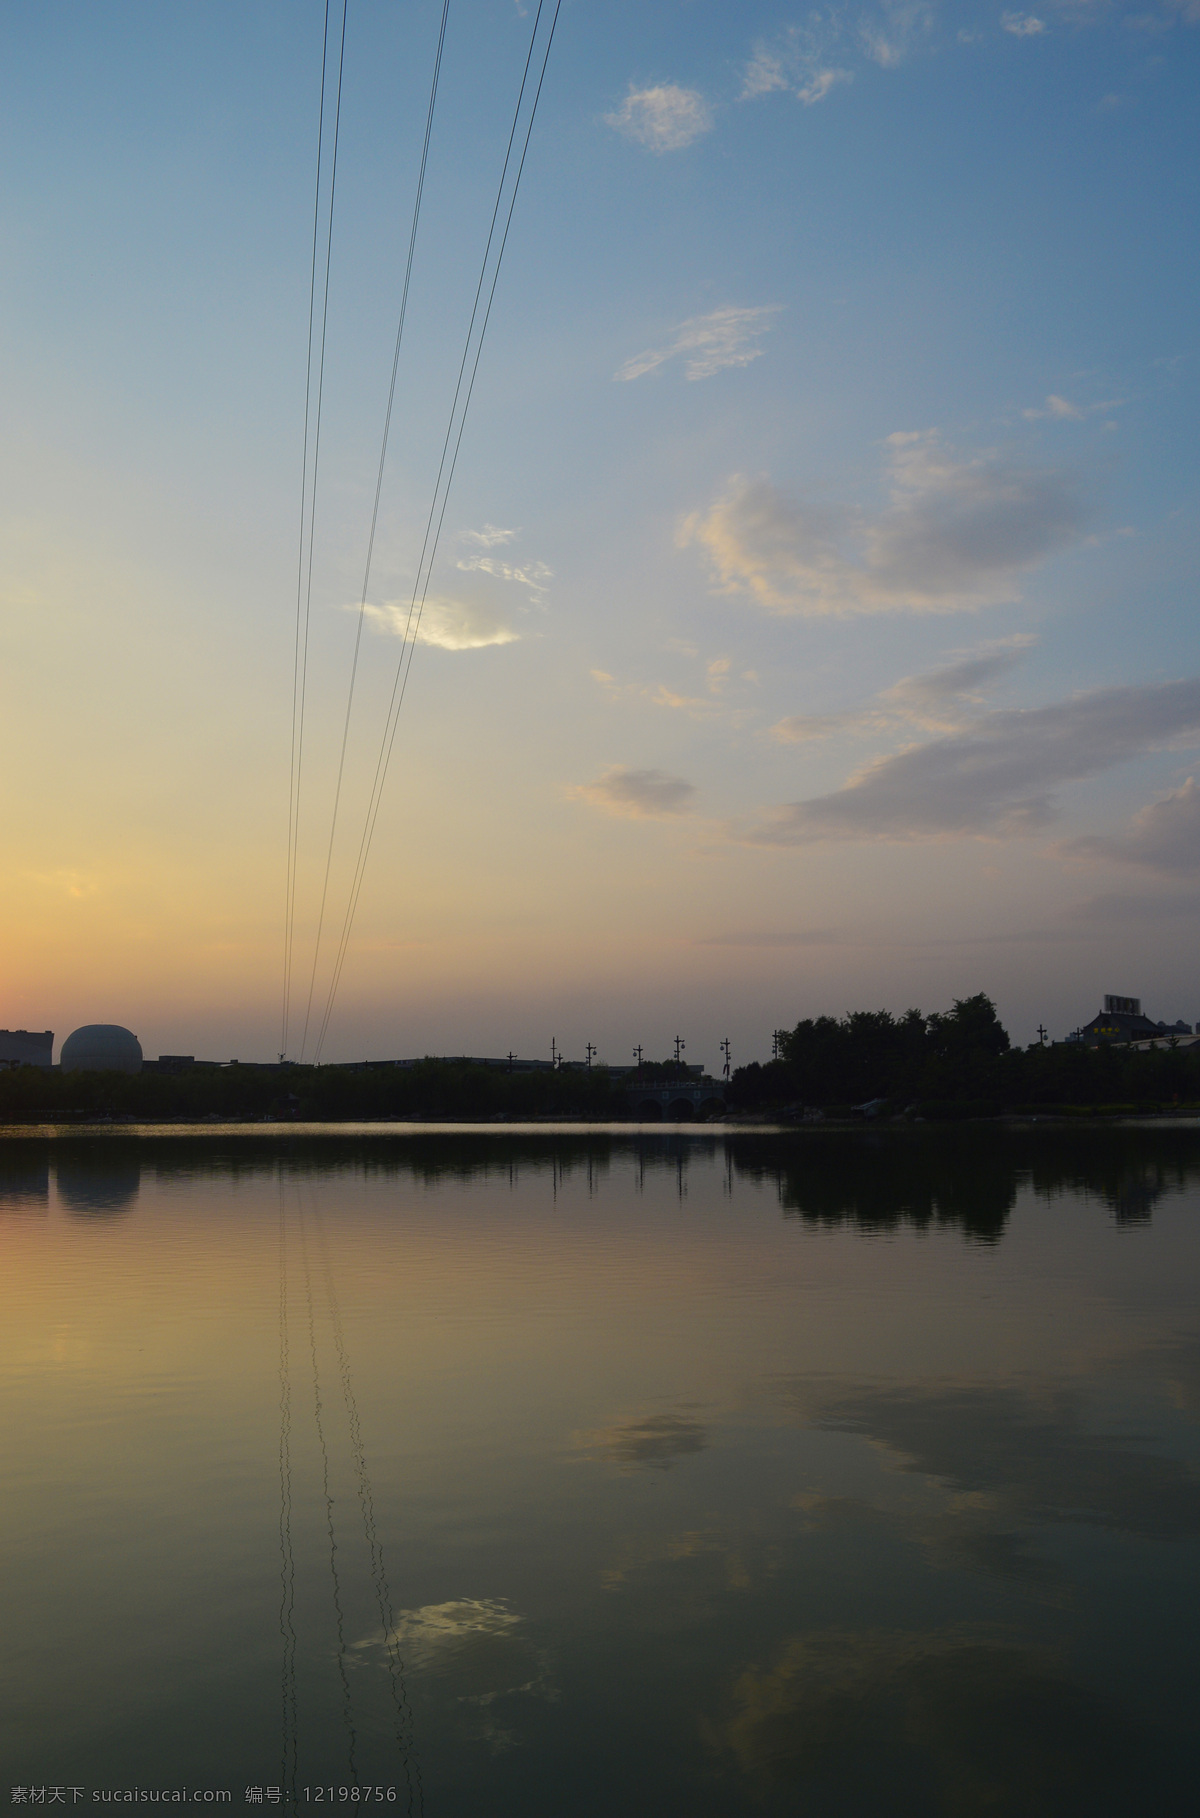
(561, 1474)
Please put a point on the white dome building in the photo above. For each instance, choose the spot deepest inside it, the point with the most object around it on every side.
(101, 1048)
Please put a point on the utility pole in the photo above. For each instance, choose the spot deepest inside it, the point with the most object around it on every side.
(1042, 1034)
(511, 1058)
(591, 1050)
(637, 1055)
(774, 1044)
(555, 1056)
(680, 1045)
(725, 1050)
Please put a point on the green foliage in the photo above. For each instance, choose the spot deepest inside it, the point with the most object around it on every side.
(433, 1089)
(958, 1063)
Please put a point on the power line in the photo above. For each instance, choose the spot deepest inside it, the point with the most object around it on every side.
(400, 681)
(308, 508)
(387, 424)
(403, 1721)
(433, 533)
(287, 1556)
(318, 1416)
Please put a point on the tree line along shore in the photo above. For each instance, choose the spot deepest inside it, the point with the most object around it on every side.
(949, 1065)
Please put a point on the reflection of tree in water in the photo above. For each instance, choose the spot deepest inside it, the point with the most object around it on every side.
(24, 1177)
(426, 1157)
(98, 1180)
(879, 1181)
(941, 1723)
(966, 1176)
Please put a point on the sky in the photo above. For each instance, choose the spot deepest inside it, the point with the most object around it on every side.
(812, 623)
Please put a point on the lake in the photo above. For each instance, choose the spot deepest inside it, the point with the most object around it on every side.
(553, 1472)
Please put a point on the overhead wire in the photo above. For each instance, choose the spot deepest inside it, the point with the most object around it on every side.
(287, 1557)
(387, 424)
(308, 506)
(327, 1496)
(437, 509)
(403, 1715)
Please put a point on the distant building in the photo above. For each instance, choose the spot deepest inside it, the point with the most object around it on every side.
(1121, 1020)
(101, 1048)
(26, 1048)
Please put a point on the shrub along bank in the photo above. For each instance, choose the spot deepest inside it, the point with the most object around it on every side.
(950, 1065)
(958, 1063)
(433, 1088)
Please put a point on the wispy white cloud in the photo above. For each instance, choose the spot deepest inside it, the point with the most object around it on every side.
(809, 58)
(1062, 410)
(800, 61)
(1164, 836)
(938, 700)
(996, 778)
(662, 118)
(490, 536)
(534, 575)
(763, 75)
(1057, 407)
(714, 703)
(448, 624)
(642, 794)
(1022, 25)
(893, 32)
(956, 534)
(708, 344)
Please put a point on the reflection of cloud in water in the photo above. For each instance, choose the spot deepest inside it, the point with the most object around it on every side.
(968, 1534)
(471, 1652)
(947, 1722)
(653, 1440)
(103, 1185)
(428, 1637)
(638, 1553)
(1031, 1451)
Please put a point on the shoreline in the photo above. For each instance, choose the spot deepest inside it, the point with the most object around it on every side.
(399, 1129)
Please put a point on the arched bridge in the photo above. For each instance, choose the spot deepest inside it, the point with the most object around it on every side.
(676, 1102)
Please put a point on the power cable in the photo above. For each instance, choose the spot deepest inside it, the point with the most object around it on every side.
(404, 1732)
(308, 507)
(429, 548)
(287, 1557)
(339, 1614)
(387, 424)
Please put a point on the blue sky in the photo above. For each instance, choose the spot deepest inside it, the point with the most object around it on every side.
(813, 623)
